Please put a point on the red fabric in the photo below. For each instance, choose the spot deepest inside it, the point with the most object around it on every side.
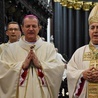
(81, 87)
(41, 75)
(23, 77)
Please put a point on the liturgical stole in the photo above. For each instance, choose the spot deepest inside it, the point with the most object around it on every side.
(92, 56)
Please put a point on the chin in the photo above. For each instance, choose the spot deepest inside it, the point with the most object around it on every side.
(31, 39)
(95, 43)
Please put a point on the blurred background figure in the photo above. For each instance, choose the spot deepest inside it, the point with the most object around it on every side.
(60, 56)
(63, 92)
(13, 32)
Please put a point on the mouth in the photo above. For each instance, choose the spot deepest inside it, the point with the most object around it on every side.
(95, 34)
(13, 35)
(30, 32)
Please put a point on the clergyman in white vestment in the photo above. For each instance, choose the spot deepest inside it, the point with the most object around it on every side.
(82, 69)
(29, 68)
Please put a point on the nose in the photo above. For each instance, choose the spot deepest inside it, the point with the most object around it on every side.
(96, 29)
(31, 28)
(13, 30)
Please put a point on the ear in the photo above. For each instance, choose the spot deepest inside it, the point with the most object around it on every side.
(21, 27)
(6, 32)
(22, 31)
(40, 27)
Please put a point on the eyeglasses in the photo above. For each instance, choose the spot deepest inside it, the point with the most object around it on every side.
(11, 29)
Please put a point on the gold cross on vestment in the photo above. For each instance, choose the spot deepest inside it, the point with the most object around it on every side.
(32, 47)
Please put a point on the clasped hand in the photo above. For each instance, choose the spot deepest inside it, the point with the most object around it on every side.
(91, 75)
(31, 58)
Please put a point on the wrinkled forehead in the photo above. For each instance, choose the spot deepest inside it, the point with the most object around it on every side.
(30, 16)
(94, 24)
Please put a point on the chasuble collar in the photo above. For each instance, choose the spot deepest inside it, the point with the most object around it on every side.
(9, 42)
(92, 46)
(27, 46)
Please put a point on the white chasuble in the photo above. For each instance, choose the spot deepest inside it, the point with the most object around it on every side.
(33, 86)
(77, 64)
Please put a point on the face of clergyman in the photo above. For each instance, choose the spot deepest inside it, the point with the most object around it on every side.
(30, 29)
(93, 33)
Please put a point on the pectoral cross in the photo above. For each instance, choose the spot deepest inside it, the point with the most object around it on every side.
(32, 47)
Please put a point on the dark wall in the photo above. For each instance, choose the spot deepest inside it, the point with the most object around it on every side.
(15, 10)
(70, 27)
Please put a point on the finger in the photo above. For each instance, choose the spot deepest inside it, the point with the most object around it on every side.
(92, 68)
(29, 55)
(89, 73)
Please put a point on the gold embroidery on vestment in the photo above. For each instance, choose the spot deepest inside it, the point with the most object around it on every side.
(92, 87)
